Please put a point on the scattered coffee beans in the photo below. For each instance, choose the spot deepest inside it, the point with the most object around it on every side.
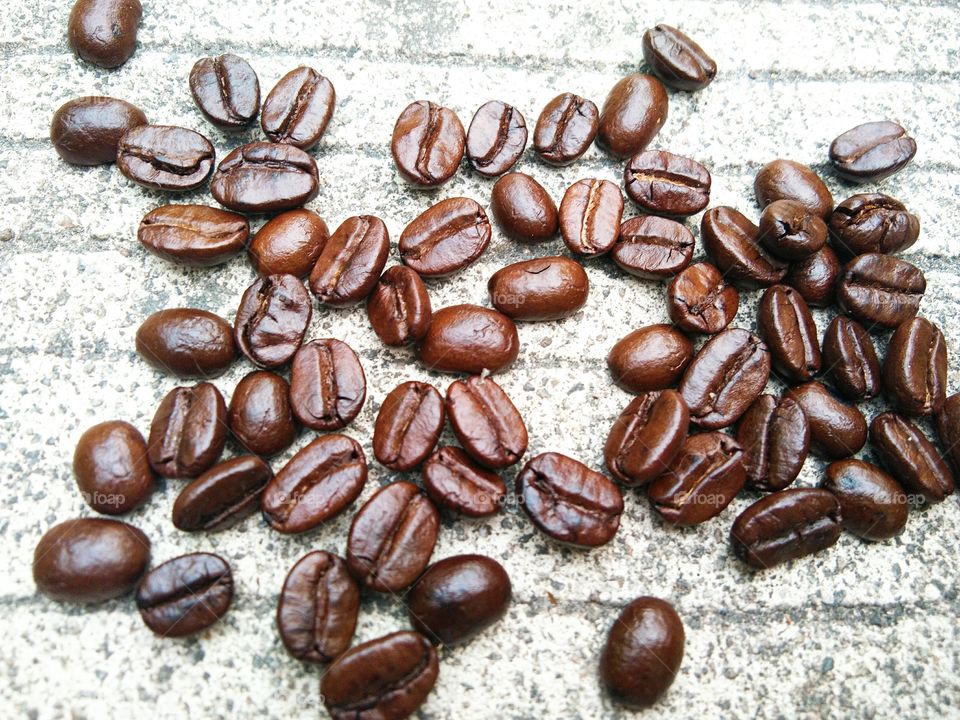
(590, 214)
(646, 438)
(565, 129)
(469, 339)
(454, 481)
(873, 223)
(408, 426)
(223, 496)
(87, 130)
(193, 235)
(185, 595)
(428, 143)
(653, 247)
(789, 180)
(188, 432)
(446, 238)
(496, 138)
(327, 384)
(662, 183)
(186, 342)
(399, 307)
(523, 209)
(651, 358)
(265, 177)
(837, 430)
(775, 437)
(486, 422)
(111, 468)
(699, 301)
(104, 32)
(676, 59)
(872, 504)
(872, 151)
(547, 288)
(260, 415)
(226, 90)
(351, 261)
(289, 244)
(298, 109)
(632, 115)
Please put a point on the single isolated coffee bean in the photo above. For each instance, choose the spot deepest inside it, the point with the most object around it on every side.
(272, 319)
(873, 222)
(786, 325)
(632, 115)
(662, 183)
(486, 422)
(651, 358)
(775, 437)
(948, 430)
(87, 130)
(496, 138)
(399, 307)
(226, 90)
(185, 595)
(816, 277)
(186, 342)
(881, 290)
(676, 59)
(549, 288)
(428, 144)
(523, 209)
(188, 431)
(223, 496)
(850, 360)
(646, 438)
(298, 109)
(193, 235)
(263, 177)
(910, 457)
(89, 560)
(351, 261)
(699, 301)
(111, 468)
(454, 481)
(446, 238)
(327, 384)
(790, 231)
(872, 504)
(289, 244)
(872, 151)
(408, 425)
(260, 416)
(104, 32)
(915, 368)
(652, 247)
(789, 180)
(731, 241)
(590, 215)
(164, 157)
(469, 339)
(837, 430)
(566, 127)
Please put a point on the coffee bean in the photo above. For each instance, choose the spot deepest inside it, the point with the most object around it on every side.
(632, 115)
(265, 177)
(223, 496)
(188, 431)
(881, 290)
(111, 468)
(662, 183)
(731, 241)
(786, 525)
(104, 32)
(523, 209)
(651, 358)
(816, 277)
(790, 231)
(87, 130)
(408, 425)
(547, 288)
(653, 247)
(837, 430)
(568, 501)
(186, 342)
(351, 261)
(565, 129)
(226, 90)
(89, 560)
(873, 222)
(789, 180)
(872, 504)
(392, 537)
(496, 138)
(289, 244)
(699, 301)
(872, 151)
(318, 608)
(775, 437)
(185, 595)
(260, 416)
(910, 457)
(486, 422)
(316, 484)
(454, 481)
(272, 319)
(469, 339)
(948, 430)
(428, 143)
(850, 360)
(785, 323)
(646, 437)
(193, 235)
(298, 109)
(590, 214)
(327, 384)
(399, 307)
(164, 157)
(676, 59)
(446, 238)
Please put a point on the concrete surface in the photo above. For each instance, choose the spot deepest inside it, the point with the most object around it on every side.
(860, 631)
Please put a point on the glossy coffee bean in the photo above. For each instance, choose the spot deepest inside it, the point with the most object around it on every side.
(850, 360)
(226, 90)
(651, 358)
(89, 560)
(193, 235)
(590, 214)
(351, 261)
(486, 422)
(910, 457)
(408, 425)
(188, 431)
(816, 277)
(652, 247)
(699, 301)
(104, 32)
(316, 485)
(111, 468)
(872, 151)
(164, 157)
(263, 177)
(786, 525)
(915, 368)
(327, 384)
(731, 241)
(790, 231)
(272, 319)
(725, 377)
(318, 608)
(632, 115)
(428, 144)
(289, 244)
(298, 109)
(87, 130)
(643, 652)
(446, 238)
(454, 481)
(469, 339)
(260, 416)
(837, 430)
(548, 288)
(789, 180)
(676, 59)
(566, 127)
(786, 325)
(872, 504)
(185, 595)
(646, 437)
(873, 222)
(223, 496)
(662, 183)
(523, 209)
(568, 501)
(881, 290)
(399, 307)
(186, 342)
(496, 138)
(775, 437)
(947, 423)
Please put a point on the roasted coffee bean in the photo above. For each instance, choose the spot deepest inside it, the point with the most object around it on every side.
(104, 32)
(816, 277)
(164, 157)
(392, 537)
(469, 339)
(786, 525)
(881, 290)
(785, 323)
(260, 416)
(568, 501)
(428, 143)
(486, 422)
(547, 288)
(837, 430)
(265, 177)
(327, 384)
(699, 301)
(653, 247)
(662, 183)
(316, 485)
(388, 678)
(318, 608)
(87, 130)
(643, 652)
(496, 138)
(454, 481)
(272, 319)
(676, 59)
(651, 358)
(872, 151)
(910, 457)
(523, 209)
(111, 468)
(289, 244)
(948, 430)
(351, 261)
(646, 437)
(223, 496)
(408, 425)
(590, 214)
(226, 90)
(565, 129)
(399, 307)
(775, 437)
(193, 235)
(850, 360)
(872, 504)
(790, 231)
(725, 377)
(731, 241)
(185, 595)
(873, 222)
(446, 238)
(789, 180)
(459, 597)
(186, 342)
(298, 109)
(188, 431)
(90, 560)
(632, 115)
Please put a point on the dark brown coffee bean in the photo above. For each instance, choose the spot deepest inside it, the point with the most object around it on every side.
(164, 157)
(566, 127)
(948, 430)
(318, 608)
(816, 277)
(789, 180)
(298, 109)
(260, 416)
(632, 115)
(327, 384)
(188, 431)
(185, 595)
(272, 319)
(653, 247)
(590, 214)
(104, 32)
(289, 244)
(790, 231)
(408, 425)
(676, 59)
(523, 209)
(547, 288)
(873, 222)
(568, 501)
(725, 377)
(469, 339)
(785, 323)
(223, 496)
(786, 525)
(837, 430)
(699, 301)
(392, 538)
(651, 358)
(351, 261)
(399, 307)
(775, 437)
(496, 138)
(486, 422)
(910, 457)
(87, 130)
(731, 241)
(850, 360)
(872, 504)
(186, 342)
(265, 177)
(193, 235)
(226, 90)
(111, 468)
(454, 481)
(872, 151)
(89, 560)
(662, 183)
(646, 437)
(881, 290)
(446, 238)
(428, 143)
